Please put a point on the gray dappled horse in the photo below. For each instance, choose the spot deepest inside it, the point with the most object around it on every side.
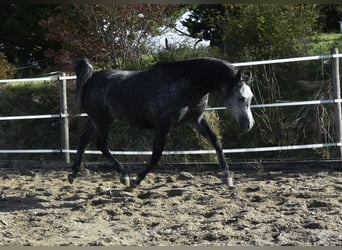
(167, 95)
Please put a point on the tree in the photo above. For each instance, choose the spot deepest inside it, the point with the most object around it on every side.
(21, 38)
(110, 35)
(329, 16)
(205, 23)
(254, 32)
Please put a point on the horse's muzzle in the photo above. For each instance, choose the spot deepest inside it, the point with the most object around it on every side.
(246, 123)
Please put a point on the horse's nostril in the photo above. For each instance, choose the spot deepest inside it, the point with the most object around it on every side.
(243, 122)
(246, 124)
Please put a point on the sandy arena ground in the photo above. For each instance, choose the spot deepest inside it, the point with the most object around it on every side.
(174, 206)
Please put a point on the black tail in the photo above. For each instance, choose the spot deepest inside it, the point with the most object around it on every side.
(84, 70)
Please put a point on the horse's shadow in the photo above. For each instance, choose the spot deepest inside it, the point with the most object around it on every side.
(18, 203)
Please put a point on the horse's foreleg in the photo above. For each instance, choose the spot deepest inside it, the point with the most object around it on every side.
(87, 136)
(204, 129)
(158, 147)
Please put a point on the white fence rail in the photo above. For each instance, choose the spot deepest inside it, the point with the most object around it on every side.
(270, 105)
(64, 116)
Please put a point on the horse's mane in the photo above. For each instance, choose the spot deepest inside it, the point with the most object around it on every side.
(193, 62)
(204, 70)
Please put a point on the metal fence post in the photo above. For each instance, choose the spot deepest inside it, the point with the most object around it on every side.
(64, 116)
(337, 95)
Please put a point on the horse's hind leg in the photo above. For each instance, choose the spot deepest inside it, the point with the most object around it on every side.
(158, 147)
(204, 129)
(87, 136)
(102, 145)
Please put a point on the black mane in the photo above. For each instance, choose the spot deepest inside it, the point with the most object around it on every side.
(204, 70)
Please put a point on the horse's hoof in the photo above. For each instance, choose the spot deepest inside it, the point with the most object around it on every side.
(228, 181)
(134, 183)
(71, 178)
(125, 180)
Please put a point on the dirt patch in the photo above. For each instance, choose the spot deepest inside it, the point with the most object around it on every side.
(172, 206)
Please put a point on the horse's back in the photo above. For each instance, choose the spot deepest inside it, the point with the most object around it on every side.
(143, 98)
(117, 94)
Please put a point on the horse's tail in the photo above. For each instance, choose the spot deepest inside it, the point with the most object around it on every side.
(84, 71)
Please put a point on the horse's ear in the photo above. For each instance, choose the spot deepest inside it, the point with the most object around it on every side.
(245, 76)
(249, 77)
(238, 76)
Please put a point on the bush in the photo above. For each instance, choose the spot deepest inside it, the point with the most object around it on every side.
(254, 31)
(7, 70)
(185, 52)
(29, 99)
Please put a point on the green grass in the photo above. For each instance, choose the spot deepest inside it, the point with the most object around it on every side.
(30, 85)
(324, 42)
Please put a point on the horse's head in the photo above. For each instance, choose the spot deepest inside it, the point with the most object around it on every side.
(238, 100)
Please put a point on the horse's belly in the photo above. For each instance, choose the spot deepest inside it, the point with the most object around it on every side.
(134, 120)
(157, 112)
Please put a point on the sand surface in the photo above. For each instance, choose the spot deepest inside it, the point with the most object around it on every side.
(173, 206)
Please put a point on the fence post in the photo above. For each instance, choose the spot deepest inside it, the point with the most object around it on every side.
(64, 119)
(337, 95)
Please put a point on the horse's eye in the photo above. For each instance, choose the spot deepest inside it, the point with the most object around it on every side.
(242, 99)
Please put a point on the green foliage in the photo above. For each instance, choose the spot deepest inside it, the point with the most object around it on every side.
(255, 32)
(21, 38)
(324, 42)
(185, 52)
(205, 23)
(29, 99)
(56, 34)
(329, 16)
(172, 53)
